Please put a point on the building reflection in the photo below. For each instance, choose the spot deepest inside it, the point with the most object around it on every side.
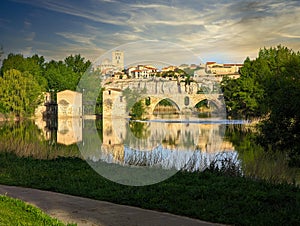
(64, 131)
(123, 138)
(123, 141)
(69, 131)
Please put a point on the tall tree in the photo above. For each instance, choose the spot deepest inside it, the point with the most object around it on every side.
(269, 87)
(243, 96)
(77, 63)
(281, 130)
(60, 77)
(20, 93)
(33, 65)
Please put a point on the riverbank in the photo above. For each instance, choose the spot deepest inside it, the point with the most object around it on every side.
(214, 195)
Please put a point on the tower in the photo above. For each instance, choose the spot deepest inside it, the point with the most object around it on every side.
(118, 59)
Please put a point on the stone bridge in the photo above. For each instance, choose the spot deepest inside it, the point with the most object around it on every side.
(120, 95)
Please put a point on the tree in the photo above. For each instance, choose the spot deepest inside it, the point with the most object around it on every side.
(20, 93)
(137, 110)
(243, 97)
(77, 64)
(269, 87)
(281, 130)
(60, 76)
(33, 65)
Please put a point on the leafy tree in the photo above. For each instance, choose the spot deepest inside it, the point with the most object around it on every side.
(243, 97)
(77, 63)
(132, 96)
(269, 87)
(281, 130)
(33, 65)
(20, 93)
(137, 110)
(60, 76)
(165, 102)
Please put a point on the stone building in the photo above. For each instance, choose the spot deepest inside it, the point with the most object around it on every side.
(118, 59)
(222, 69)
(69, 104)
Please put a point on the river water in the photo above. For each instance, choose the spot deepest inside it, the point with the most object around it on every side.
(170, 144)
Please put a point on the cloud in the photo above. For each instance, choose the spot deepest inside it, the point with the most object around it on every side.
(79, 9)
(78, 38)
(62, 51)
(237, 28)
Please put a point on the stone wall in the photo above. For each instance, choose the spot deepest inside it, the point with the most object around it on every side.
(69, 104)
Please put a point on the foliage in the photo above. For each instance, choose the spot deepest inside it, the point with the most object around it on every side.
(165, 102)
(202, 104)
(243, 96)
(60, 77)
(282, 101)
(269, 87)
(16, 212)
(53, 75)
(90, 86)
(137, 110)
(77, 64)
(132, 97)
(20, 93)
(205, 195)
(99, 103)
(33, 65)
(172, 74)
(138, 129)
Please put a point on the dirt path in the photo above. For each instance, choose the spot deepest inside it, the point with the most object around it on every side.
(83, 211)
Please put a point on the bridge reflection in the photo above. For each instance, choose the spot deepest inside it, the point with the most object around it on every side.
(175, 143)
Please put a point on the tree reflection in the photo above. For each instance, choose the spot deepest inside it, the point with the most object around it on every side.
(257, 163)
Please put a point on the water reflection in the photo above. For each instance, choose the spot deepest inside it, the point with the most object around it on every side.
(66, 131)
(161, 144)
(168, 145)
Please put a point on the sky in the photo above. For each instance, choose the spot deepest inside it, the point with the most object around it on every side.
(225, 31)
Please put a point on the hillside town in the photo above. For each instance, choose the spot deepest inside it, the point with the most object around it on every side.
(116, 69)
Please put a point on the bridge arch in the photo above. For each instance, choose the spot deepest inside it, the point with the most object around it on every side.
(172, 103)
(151, 92)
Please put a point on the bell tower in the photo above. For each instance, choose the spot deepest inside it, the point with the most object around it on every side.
(118, 59)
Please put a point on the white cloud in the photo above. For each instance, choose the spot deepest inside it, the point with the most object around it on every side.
(78, 38)
(223, 28)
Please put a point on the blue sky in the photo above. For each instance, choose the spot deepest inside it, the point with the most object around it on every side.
(225, 31)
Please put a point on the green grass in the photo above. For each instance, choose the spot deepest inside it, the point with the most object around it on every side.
(209, 195)
(17, 212)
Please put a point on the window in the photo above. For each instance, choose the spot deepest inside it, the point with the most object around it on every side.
(186, 101)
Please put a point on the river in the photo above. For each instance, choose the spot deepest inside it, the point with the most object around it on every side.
(137, 152)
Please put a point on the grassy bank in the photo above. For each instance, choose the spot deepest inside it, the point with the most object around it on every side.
(210, 195)
(17, 212)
